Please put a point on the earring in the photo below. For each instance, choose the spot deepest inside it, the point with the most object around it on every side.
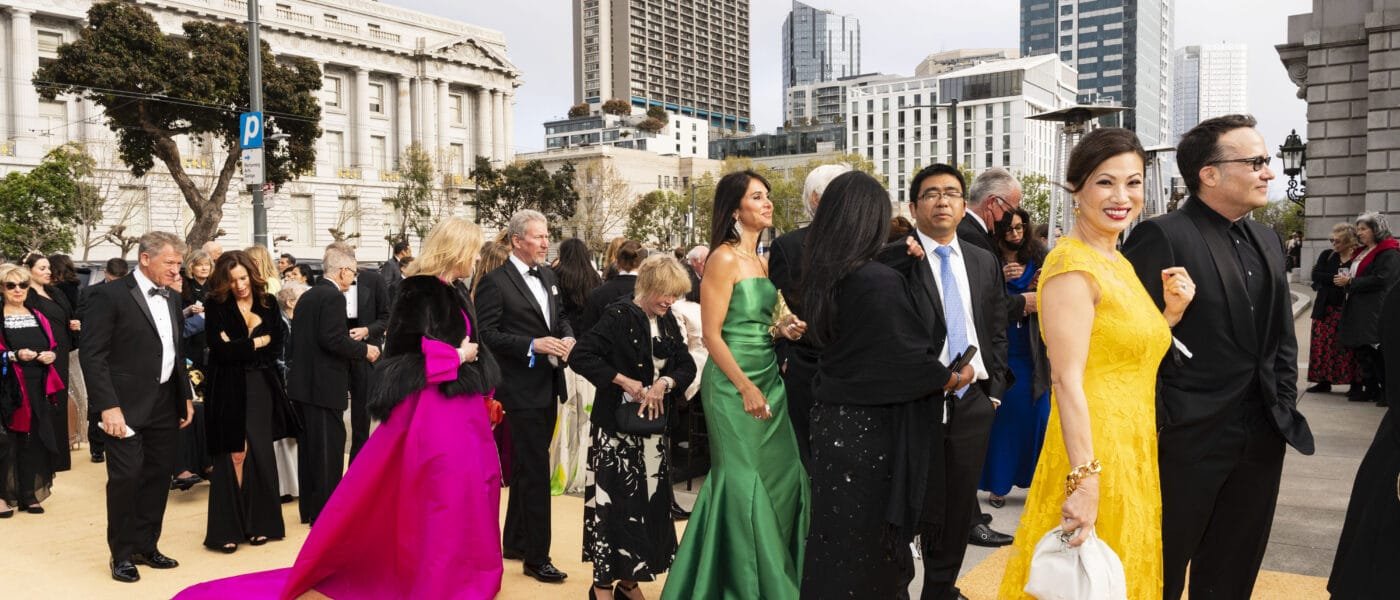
(1076, 208)
(738, 227)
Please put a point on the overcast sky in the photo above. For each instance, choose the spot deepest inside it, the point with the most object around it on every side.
(896, 34)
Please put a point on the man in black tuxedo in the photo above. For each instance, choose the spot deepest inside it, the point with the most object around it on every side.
(965, 284)
(366, 318)
(137, 382)
(319, 378)
(114, 270)
(521, 323)
(695, 269)
(797, 359)
(1225, 412)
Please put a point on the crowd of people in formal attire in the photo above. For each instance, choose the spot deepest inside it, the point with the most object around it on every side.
(862, 378)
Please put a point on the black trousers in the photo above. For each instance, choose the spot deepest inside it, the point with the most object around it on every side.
(320, 458)
(1220, 482)
(964, 451)
(797, 378)
(138, 481)
(527, 528)
(361, 382)
(97, 442)
(239, 511)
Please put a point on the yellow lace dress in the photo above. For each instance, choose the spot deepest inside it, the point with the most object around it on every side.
(1127, 343)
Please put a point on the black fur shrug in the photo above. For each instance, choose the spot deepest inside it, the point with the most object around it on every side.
(427, 307)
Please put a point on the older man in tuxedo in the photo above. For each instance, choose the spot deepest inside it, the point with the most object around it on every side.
(797, 359)
(1225, 412)
(136, 381)
(965, 285)
(319, 379)
(519, 308)
(366, 318)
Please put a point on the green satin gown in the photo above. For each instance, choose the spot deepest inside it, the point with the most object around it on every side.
(746, 534)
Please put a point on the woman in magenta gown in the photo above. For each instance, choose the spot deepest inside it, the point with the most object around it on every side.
(416, 514)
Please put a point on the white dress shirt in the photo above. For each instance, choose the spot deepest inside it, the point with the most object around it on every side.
(352, 301)
(160, 311)
(536, 286)
(965, 292)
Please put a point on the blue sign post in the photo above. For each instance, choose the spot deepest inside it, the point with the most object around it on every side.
(250, 128)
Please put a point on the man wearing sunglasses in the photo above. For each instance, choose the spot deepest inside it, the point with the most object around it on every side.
(1226, 405)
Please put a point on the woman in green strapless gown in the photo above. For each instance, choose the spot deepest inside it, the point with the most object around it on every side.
(745, 536)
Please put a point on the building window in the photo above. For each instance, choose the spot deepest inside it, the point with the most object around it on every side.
(303, 220)
(1067, 9)
(455, 154)
(1066, 25)
(349, 219)
(376, 98)
(330, 90)
(454, 107)
(378, 150)
(49, 41)
(53, 123)
(335, 150)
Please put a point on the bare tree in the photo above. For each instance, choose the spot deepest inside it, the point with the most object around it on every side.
(604, 201)
(348, 213)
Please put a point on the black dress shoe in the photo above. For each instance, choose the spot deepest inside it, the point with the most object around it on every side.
(546, 573)
(512, 554)
(155, 560)
(97, 458)
(1319, 388)
(985, 518)
(997, 501)
(125, 571)
(984, 536)
(678, 513)
(185, 483)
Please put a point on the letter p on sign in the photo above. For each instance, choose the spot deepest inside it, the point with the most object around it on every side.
(250, 128)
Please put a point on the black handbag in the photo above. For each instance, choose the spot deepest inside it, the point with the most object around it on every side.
(629, 422)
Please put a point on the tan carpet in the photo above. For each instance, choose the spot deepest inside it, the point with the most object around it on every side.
(63, 553)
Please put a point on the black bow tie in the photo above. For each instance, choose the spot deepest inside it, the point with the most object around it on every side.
(533, 272)
(159, 291)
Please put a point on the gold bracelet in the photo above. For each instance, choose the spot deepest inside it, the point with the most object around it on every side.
(1079, 473)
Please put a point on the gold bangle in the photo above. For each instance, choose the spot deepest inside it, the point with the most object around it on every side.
(1079, 473)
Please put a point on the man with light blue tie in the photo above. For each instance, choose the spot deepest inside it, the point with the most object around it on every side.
(965, 285)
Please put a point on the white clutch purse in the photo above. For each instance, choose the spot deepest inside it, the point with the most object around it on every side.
(1090, 572)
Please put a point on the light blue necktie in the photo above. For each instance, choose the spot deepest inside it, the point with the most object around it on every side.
(952, 307)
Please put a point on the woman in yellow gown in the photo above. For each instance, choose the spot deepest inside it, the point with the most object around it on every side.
(1105, 338)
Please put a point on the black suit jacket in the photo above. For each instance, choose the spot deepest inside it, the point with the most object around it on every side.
(1231, 361)
(319, 372)
(785, 271)
(694, 294)
(621, 286)
(121, 355)
(372, 295)
(989, 299)
(969, 230)
(511, 319)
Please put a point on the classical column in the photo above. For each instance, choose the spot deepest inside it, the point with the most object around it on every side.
(483, 123)
(509, 130)
(498, 126)
(416, 91)
(404, 115)
(429, 123)
(24, 58)
(444, 123)
(92, 121)
(361, 157)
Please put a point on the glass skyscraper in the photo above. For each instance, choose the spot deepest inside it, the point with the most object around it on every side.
(818, 45)
(1121, 48)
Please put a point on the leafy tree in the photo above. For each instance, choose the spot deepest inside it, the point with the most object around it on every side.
(1035, 196)
(155, 87)
(651, 125)
(39, 209)
(659, 219)
(604, 203)
(502, 192)
(1285, 217)
(413, 203)
(658, 113)
(617, 106)
(578, 110)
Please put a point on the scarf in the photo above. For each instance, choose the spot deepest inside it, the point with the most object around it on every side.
(1385, 245)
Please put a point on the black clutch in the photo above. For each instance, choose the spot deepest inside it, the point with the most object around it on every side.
(631, 423)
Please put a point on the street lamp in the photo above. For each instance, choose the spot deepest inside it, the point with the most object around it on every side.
(1294, 153)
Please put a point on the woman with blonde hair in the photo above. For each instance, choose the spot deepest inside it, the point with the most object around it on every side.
(429, 460)
(29, 444)
(267, 269)
(1329, 362)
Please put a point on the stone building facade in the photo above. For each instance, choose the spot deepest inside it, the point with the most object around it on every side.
(392, 77)
(1345, 58)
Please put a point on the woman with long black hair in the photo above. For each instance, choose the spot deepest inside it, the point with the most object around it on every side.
(876, 411)
(46, 298)
(577, 278)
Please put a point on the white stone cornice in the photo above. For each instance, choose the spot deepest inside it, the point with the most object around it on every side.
(470, 51)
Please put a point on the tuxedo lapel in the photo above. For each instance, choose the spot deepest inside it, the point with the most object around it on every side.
(524, 289)
(1273, 260)
(139, 298)
(1231, 279)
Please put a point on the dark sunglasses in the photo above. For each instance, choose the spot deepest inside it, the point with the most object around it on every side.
(16, 285)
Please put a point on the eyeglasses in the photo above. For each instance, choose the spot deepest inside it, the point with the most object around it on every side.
(1016, 227)
(1256, 162)
(1002, 202)
(1334, 240)
(16, 285)
(934, 194)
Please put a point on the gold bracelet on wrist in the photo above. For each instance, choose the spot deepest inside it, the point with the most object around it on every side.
(1079, 473)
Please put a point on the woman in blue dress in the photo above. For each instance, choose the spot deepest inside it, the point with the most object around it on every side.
(1019, 428)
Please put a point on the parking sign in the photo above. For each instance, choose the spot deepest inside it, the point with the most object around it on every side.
(250, 130)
